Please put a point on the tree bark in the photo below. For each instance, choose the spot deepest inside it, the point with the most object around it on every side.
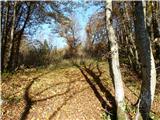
(147, 61)
(8, 53)
(114, 64)
(5, 40)
(132, 48)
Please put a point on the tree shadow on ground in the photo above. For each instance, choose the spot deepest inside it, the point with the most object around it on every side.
(30, 101)
(108, 104)
(65, 102)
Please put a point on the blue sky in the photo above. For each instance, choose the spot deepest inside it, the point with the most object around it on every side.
(81, 15)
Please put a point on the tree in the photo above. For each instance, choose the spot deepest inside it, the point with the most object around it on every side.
(17, 16)
(16, 42)
(148, 66)
(96, 35)
(9, 34)
(114, 64)
(70, 33)
(126, 23)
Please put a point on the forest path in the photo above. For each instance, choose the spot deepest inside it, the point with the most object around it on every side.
(61, 94)
(67, 93)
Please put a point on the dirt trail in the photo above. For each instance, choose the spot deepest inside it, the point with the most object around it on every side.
(66, 94)
(59, 95)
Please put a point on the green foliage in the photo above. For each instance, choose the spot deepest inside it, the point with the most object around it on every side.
(5, 74)
(13, 99)
(105, 116)
(154, 116)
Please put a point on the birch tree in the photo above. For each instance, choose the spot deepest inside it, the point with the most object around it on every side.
(148, 66)
(114, 64)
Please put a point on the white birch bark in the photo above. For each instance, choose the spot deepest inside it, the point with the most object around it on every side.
(114, 64)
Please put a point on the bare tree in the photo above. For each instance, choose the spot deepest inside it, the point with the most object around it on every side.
(96, 35)
(71, 33)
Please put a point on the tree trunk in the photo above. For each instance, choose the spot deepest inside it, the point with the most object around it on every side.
(114, 64)
(132, 48)
(2, 22)
(5, 40)
(8, 41)
(147, 61)
(12, 32)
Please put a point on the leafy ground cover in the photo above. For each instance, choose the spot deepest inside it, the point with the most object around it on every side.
(73, 92)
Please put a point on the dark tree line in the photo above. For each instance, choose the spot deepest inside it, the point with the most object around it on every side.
(16, 17)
